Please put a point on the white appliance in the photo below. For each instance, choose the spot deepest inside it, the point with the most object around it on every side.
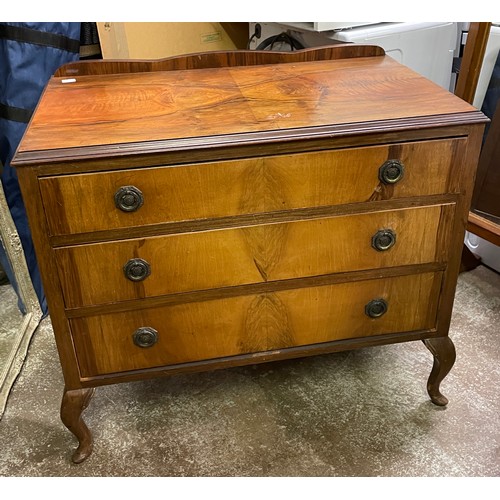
(426, 48)
(329, 26)
(488, 252)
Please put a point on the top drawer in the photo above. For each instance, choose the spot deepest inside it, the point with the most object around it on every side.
(82, 203)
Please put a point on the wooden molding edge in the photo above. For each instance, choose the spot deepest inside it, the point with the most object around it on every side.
(484, 228)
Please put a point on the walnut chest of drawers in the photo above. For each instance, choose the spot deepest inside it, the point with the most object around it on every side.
(191, 217)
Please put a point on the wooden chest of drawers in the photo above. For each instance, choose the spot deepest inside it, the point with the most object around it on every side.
(206, 218)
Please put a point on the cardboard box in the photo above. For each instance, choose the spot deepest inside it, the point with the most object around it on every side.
(159, 40)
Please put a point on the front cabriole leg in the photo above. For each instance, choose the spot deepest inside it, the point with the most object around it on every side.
(72, 406)
(443, 350)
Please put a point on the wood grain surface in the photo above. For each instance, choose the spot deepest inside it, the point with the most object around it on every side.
(83, 203)
(133, 108)
(94, 274)
(254, 323)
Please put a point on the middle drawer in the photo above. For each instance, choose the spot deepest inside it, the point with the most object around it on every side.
(108, 272)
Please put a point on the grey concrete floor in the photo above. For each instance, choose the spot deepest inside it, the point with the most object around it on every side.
(357, 413)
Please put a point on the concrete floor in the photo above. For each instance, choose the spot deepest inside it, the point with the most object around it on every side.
(358, 413)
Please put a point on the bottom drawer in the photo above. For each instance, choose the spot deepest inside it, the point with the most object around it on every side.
(196, 331)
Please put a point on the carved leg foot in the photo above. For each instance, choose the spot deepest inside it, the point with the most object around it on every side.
(72, 406)
(443, 350)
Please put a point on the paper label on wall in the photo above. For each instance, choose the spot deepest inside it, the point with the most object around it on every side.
(215, 36)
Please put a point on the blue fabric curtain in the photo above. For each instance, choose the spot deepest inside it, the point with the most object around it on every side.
(29, 55)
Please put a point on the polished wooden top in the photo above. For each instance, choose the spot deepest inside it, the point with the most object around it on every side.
(136, 108)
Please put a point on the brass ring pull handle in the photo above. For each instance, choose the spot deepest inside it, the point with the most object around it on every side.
(137, 269)
(376, 308)
(145, 336)
(383, 240)
(129, 199)
(391, 171)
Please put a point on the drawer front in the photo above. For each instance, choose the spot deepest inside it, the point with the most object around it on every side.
(83, 203)
(132, 269)
(253, 323)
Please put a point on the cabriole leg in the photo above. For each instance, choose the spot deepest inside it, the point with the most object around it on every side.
(443, 350)
(73, 404)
